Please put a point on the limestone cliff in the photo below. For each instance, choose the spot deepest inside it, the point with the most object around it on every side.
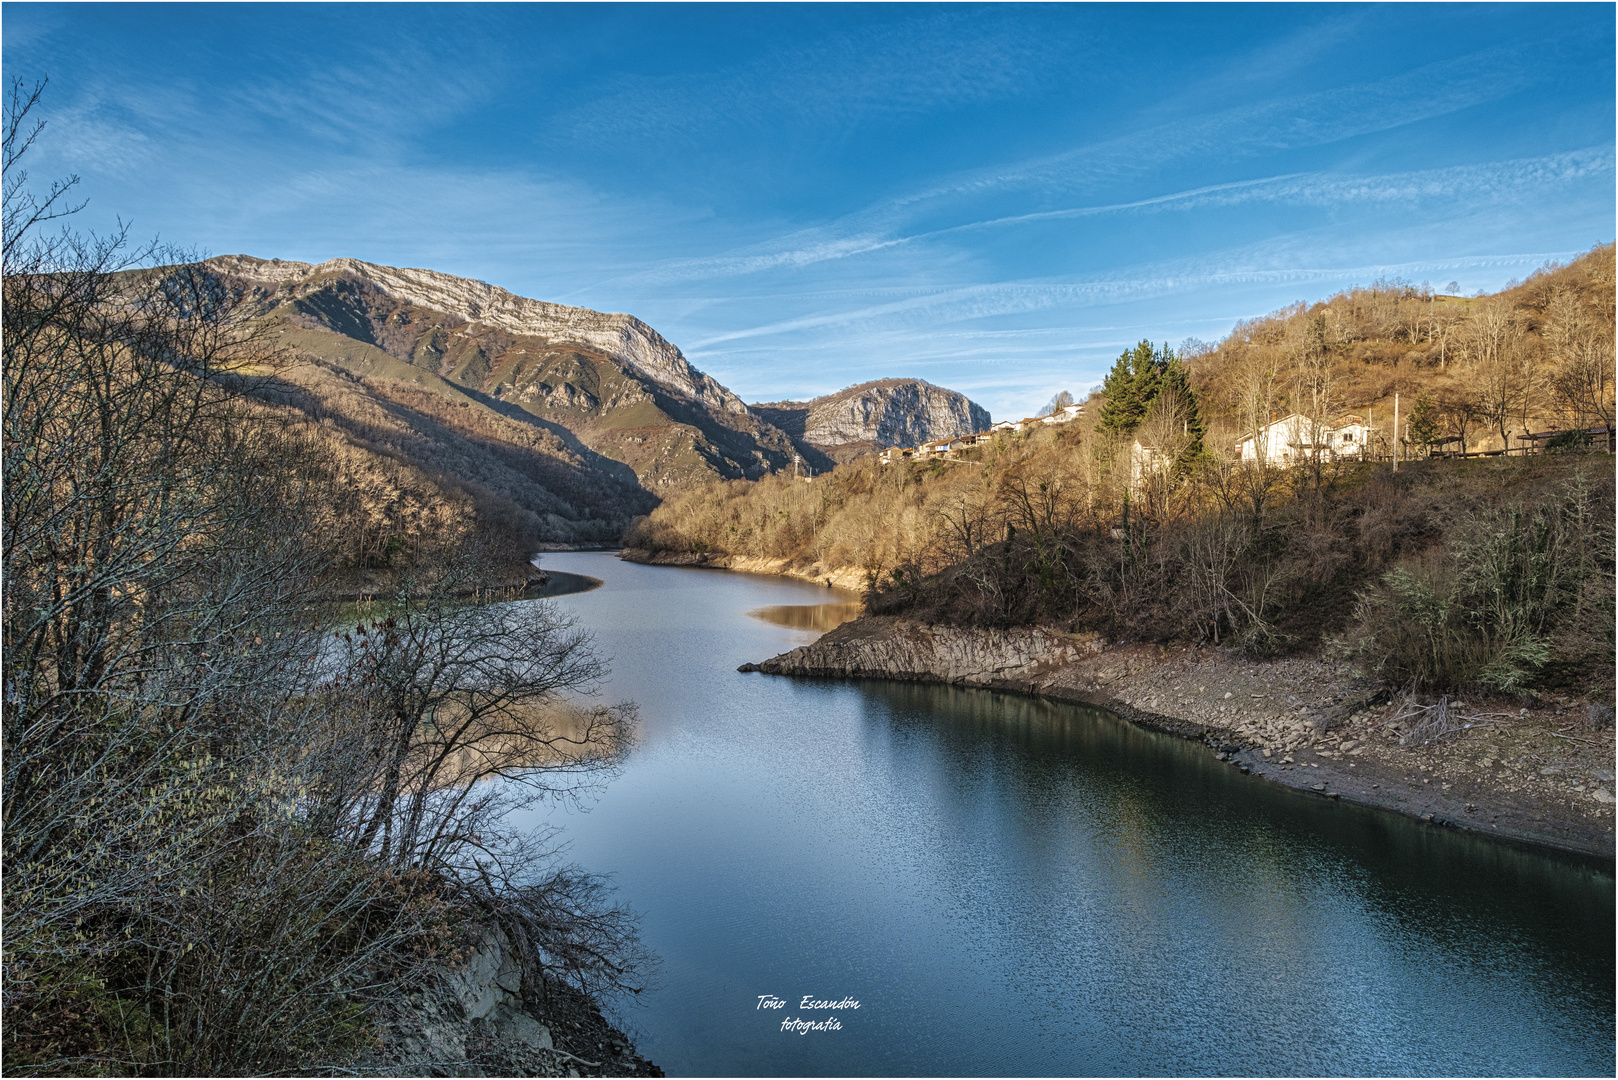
(873, 415)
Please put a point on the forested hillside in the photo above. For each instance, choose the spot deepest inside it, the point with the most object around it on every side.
(1534, 356)
(1139, 520)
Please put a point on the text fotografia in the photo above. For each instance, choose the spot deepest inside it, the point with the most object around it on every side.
(803, 1026)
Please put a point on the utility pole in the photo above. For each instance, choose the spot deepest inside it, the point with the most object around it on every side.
(1396, 431)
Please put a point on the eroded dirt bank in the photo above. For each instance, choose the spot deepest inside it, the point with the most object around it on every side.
(842, 577)
(1541, 776)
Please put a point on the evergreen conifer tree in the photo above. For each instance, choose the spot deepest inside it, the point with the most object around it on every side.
(1177, 380)
(1134, 383)
(1423, 423)
(1130, 388)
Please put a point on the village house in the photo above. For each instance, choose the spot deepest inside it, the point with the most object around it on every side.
(1063, 415)
(1295, 438)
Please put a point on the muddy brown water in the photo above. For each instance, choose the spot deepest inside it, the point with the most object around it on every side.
(1009, 886)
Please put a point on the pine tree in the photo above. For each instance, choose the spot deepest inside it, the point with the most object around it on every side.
(1132, 386)
(1423, 423)
(1176, 380)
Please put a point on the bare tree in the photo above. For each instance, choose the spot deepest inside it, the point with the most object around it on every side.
(1257, 391)
(1461, 412)
(1581, 351)
(182, 894)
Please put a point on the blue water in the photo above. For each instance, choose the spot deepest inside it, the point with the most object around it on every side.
(1014, 887)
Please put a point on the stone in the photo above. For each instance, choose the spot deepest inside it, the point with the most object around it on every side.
(887, 412)
(903, 649)
(1602, 795)
(512, 1022)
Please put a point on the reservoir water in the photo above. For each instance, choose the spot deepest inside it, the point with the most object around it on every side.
(1015, 887)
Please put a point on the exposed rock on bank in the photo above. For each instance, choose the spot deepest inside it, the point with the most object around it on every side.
(1538, 776)
(842, 577)
(493, 1015)
(865, 418)
(894, 649)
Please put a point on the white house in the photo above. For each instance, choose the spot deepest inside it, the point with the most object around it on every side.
(1063, 415)
(1295, 438)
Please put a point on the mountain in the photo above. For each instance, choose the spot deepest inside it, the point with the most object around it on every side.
(868, 417)
(611, 389)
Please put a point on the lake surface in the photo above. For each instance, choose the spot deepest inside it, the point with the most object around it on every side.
(1016, 887)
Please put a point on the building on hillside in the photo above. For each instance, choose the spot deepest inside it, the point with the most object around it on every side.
(1295, 438)
(1060, 416)
(897, 453)
(1145, 459)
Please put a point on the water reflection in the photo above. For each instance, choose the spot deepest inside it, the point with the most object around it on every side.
(1017, 887)
(820, 617)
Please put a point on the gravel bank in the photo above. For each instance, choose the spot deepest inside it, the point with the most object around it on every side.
(1541, 776)
(842, 577)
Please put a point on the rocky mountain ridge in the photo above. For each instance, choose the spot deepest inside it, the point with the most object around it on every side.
(560, 423)
(618, 394)
(874, 415)
(621, 337)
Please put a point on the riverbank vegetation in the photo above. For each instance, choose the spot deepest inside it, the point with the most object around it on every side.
(1141, 521)
(233, 832)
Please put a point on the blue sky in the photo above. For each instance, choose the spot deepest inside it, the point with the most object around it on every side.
(994, 198)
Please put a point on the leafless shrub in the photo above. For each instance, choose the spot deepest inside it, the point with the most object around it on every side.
(228, 836)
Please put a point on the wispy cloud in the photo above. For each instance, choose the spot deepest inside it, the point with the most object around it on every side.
(1275, 125)
(941, 58)
(1518, 179)
(992, 299)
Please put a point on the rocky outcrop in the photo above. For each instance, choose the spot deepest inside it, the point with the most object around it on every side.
(892, 648)
(887, 412)
(493, 1015)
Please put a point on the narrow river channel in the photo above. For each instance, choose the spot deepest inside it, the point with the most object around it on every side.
(1014, 887)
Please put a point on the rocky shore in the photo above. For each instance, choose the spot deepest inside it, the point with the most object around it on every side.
(1540, 776)
(842, 577)
(491, 1014)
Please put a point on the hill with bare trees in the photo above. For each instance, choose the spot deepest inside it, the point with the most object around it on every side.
(1537, 355)
(1140, 519)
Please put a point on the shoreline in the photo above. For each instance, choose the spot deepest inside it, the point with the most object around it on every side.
(1300, 723)
(560, 583)
(849, 578)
